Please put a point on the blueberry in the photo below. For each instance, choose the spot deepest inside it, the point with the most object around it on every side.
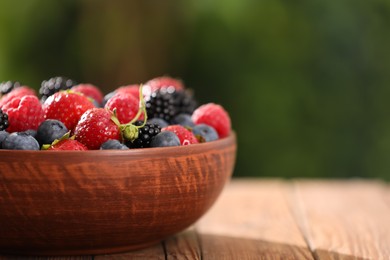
(107, 97)
(50, 130)
(184, 120)
(31, 132)
(206, 132)
(20, 141)
(3, 136)
(158, 121)
(113, 145)
(164, 139)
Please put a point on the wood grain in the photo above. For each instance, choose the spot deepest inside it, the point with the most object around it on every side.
(184, 245)
(155, 252)
(252, 219)
(95, 202)
(348, 218)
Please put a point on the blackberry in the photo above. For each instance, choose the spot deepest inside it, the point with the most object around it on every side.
(7, 86)
(4, 123)
(166, 103)
(145, 135)
(53, 85)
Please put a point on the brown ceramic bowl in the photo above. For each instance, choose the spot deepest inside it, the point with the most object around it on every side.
(94, 202)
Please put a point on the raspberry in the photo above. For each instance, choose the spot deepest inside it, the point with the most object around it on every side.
(162, 82)
(96, 127)
(125, 105)
(215, 116)
(24, 113)
(17, 92)
(90, 91)
(67, 107)
(186, 136)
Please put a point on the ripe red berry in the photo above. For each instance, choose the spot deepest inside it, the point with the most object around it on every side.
(66, 107)
(17, 92)
(162, 82)
(186, 136)
(68, 144)
(96, 127)
(24, 113)
(213, 115)
(89, 90)
(125, 105)
(130, 89)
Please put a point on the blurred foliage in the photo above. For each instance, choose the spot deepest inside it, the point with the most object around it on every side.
(306, 82)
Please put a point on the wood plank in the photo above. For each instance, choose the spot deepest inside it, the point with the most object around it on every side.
(344, 219)
(151, 253)
(251, 220)
(183, 246)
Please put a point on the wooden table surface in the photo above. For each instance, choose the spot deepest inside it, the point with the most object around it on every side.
(276, 219)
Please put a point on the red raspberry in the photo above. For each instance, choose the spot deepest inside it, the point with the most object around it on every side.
(66, 107)
(186, 136)
(68, 144)
(24, 113)
(17, 92)
(90, 91)
(162, 82)
(130, 89)
(126, 107)
(213, 115)
(95, 127)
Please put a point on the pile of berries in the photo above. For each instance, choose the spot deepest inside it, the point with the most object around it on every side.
(71, 116)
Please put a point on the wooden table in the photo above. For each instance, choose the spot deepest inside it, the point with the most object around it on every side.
(275, 219)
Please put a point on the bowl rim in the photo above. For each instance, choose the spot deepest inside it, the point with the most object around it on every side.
(184, 149)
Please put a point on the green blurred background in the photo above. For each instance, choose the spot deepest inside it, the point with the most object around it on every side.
(306, 81)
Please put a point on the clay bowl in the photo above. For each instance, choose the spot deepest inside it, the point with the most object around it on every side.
(95, 202)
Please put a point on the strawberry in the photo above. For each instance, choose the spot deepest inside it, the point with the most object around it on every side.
(215, 116)
(24, 113)
(186, 136)
(125, 106)
(129, 89)
(68, 144)
(162, 82)
(17, 92)
(96, 127)
(67, 107)
(90, 91)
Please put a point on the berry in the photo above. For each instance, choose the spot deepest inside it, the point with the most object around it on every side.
(184, 120)
(20, 141)
(18, 92)
(125, 106)
(113, 145)
(3, 136)
(95, 127)
(24, 113)
(90, 91)
(68, 144)
(165, 139)
(186, 136)
(67, 107)
(50, 130)
(4, 123)
(130, 89)
(162, 83)
(107, 97)
(7, 86)
(53, 85)
(145, 135)
(158, 121)
(205, 133)
(215, 116)
(31, 132)
(167, 103)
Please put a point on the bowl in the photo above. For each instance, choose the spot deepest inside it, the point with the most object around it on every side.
(99, 202)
